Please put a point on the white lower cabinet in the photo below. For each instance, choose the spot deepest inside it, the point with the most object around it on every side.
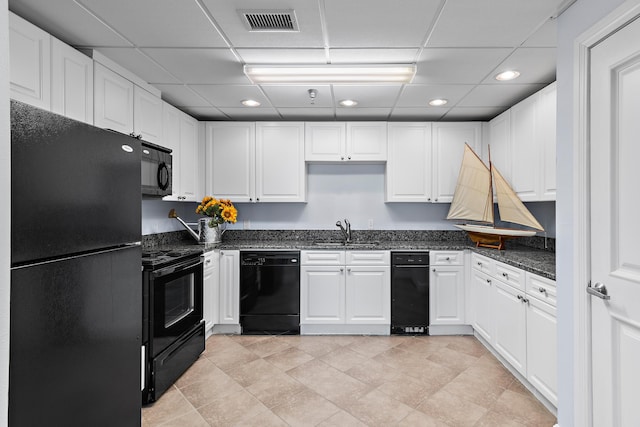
(514, 312)
(446, 289)
(345, 292)
(229, 306)
(211, 290)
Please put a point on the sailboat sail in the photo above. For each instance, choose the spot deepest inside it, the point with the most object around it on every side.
(473, 197)
(509, 204)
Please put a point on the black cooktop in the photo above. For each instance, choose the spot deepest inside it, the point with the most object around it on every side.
(155, 258)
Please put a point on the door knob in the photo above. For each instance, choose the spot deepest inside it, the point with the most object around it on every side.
(598, 290)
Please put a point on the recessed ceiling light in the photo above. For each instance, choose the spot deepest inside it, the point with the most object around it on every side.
(438, 102)
(250, 103)
(348, 103)
(507, 75)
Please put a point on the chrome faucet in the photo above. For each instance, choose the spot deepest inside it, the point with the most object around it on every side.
(346, 233)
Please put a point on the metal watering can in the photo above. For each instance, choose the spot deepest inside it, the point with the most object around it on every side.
(205, 233)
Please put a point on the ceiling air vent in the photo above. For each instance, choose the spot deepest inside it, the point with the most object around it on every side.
(269, 20)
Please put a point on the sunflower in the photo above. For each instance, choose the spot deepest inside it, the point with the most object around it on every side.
(219, 210)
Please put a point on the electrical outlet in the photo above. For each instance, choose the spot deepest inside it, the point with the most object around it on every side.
(371, 224)
(246, 224)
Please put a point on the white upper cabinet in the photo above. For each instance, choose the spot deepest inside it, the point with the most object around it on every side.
(448, 147)
(345, 141)
(122, 106)
(280, 168)
(523, 145)
(231, 161)
(113, 100)
(71, 82)
(180, 134)
(408, 175)
(30, 63)
(147, 115)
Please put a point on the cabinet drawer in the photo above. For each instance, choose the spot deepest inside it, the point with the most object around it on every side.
(482, 263)
(322, 257)
(446, 258)
(541, 288)
(511, 275)
(368, 258)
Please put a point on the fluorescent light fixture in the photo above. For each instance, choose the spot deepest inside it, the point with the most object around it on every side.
(348, 103)
(250, 103)
(438, 102)
(507, 75)
(330, 73)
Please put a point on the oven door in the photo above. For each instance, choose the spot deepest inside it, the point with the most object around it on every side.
(177, 302)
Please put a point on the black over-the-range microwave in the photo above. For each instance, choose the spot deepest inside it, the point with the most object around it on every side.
(156, 170)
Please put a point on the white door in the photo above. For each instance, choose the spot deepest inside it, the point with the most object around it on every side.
(368, 295)
(322, 294)
(615, 228)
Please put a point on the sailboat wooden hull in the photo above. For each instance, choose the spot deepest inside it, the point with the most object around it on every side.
(492, 237)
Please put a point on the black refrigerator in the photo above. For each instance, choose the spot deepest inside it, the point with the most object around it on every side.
(76, 297)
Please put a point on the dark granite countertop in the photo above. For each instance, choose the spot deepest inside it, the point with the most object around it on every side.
(534, 260)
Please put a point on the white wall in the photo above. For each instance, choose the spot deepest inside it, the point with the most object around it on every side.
(334, 192)
(577, 19)
(5, 212)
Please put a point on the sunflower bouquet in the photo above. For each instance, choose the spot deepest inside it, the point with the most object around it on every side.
(219, 210)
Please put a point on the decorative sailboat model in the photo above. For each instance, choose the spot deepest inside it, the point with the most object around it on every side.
(473, 201)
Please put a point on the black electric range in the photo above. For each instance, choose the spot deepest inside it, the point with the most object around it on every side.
(153, 259)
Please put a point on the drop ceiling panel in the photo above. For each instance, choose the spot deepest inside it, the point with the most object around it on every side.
(230, 95)
(534, 64)
(498, 95)
(251, 113)
(307, 14)
(181, 96)
(418, 113)
(472, 114)
(199, 66)
(282, 56)
(546, 36)
(373, 56)
(491, 23)
(368, 97)
(162, 23)
(378, 23)
(457, 66)
(362, 113)
(419, 95)
(307, 114)
(205, 113)
(68, 21)
(298, 96)
(138, 63)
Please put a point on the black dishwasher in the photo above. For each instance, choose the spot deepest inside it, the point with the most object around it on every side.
(410, 293)
(270, 292)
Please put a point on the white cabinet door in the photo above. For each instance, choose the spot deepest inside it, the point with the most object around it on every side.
(71, 82)
(525, 159)
(546, 137)
(446, 295)
(30, 63)
(368, 295)
(408, 175)
(211, 290)
(280, 167)
(498, 145)
(113, 100)
(322, 294)
(171, 140)
(367, 141)
(230, 152)
(510, 325)
(191, 176)
(482, 297)
(229, 287)
(325, 141)
(448, 148)
(542, 348)
(147, 115)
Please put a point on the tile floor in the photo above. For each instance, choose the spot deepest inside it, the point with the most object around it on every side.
(346, 381)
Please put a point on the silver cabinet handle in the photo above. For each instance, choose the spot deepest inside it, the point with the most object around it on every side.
(505, 275)
(598, 290)
(448, 259)
(542, 291)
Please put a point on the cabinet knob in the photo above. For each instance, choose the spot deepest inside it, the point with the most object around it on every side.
(434, 270)
(489, 281)
(341, 270)
(520, 297)
(250, 199)
(542, 291)
(341, 157)
(448, 258)
(429, 199)
(505, 275)
(349, 158)
(479, 263)
(257, 199)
